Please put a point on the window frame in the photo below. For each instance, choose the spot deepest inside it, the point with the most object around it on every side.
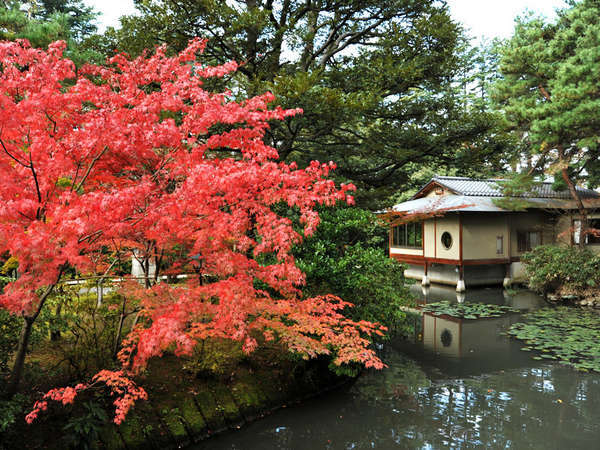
(407, 235)
(591, 239)
(500, 244)
(524, 245)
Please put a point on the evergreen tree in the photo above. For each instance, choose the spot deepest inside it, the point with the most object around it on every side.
(550, 93)
(43, 22)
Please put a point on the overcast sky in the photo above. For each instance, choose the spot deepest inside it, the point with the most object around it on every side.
(482, 18)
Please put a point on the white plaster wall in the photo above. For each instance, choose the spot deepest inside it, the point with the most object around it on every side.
(450, 224)
(406, 251)
(429, 238)
(563, 229)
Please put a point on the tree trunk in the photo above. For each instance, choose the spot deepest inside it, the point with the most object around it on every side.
(99, 293)
(55, 334)
(120, 328)
(17, 371)
(575, 195)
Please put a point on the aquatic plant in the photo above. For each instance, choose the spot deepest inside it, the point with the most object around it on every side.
(569, 335)
(467, 310)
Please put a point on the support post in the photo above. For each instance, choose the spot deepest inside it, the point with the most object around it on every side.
(507, 282)
(460, 284)
(425, 281)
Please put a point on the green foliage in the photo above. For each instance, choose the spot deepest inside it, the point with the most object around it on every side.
(84, 332)
(467, 310)
(382, 83)
(550, 90)
(515, 188)
(9, 266)
(11, 410)
(550, 268)
(346, 257)
(215, 358)
(565, 334)
(83, 430)
(10, 328)
(48, 21)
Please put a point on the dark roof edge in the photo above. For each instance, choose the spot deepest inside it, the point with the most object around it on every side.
(439, 179)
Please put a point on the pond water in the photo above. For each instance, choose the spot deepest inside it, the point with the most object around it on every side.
(455, 384)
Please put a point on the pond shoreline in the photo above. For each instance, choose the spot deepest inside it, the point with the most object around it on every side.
(185, 420)
(236, 415)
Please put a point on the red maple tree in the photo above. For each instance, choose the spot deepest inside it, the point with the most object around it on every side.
(139, 152)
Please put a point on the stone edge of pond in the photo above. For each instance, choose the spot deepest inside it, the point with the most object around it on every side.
(177, 419)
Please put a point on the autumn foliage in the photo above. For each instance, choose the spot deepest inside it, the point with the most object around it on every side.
(138, 151)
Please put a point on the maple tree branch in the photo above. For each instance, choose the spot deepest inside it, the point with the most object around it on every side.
(11, 155)
(76, 176)
(24, 215)
(89, 236)
(54, 125)
(48, 291)
(90, 167)
(37, 183)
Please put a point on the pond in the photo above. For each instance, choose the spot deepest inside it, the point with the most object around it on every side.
(457, 384)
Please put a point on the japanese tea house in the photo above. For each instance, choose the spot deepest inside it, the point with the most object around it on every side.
(456, 233)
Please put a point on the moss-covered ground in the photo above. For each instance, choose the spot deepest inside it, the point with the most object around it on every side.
(191, 399)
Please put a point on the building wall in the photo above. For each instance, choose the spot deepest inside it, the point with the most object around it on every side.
(449, 223)
(429, 238)
(531, 221)
(480, 232)
(437, 191)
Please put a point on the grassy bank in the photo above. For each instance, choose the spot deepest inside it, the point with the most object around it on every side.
(189, 400)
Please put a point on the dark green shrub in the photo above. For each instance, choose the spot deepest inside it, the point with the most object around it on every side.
(85, 333)
(10, 328)
(347, 256)
(215, 358)
(82, 431)
(551, 268)
(11, 410)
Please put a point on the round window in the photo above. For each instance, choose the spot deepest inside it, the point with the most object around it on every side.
(446, 240)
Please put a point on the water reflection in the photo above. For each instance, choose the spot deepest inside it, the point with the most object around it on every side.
(464, 386)
(520, 299)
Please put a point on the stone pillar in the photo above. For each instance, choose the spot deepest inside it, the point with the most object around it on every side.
(425, 280)
(136, 265)
(507, 282)
(460, 284)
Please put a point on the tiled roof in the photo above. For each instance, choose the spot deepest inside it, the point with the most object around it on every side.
(491, 188)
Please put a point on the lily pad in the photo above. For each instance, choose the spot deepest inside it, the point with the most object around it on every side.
(567, 334)
(468, 311)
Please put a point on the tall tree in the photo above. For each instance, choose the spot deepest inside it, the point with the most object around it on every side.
(131, 147)
(80, 17)
(377, 79)
(550, 93)
(42, 22)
